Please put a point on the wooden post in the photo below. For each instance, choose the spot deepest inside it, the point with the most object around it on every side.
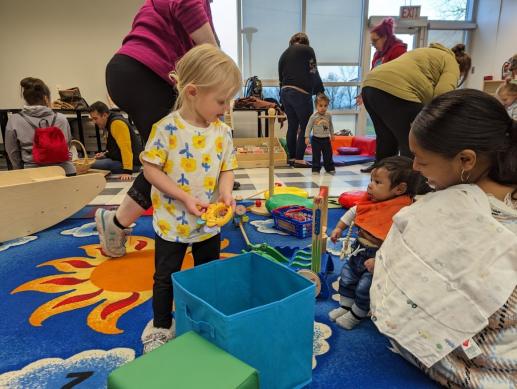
(319, 228)
(271, 113)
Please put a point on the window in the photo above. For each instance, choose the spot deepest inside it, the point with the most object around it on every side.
(335, 30)
(433, 9)
(266, 27)
(338, 73)
(272, 92)
(448, 38)
(344, 122)
(342, 98)
(224, 15)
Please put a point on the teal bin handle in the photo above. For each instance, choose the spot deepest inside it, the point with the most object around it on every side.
(199, 326)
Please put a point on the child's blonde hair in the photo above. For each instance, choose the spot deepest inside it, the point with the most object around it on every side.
(509, 86)
(206, 67)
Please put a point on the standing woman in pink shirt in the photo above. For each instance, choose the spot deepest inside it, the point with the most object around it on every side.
(137, 78)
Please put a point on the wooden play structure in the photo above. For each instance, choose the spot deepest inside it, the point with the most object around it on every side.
(261, 152)
(314, 264)
(254, 152)
(35, 199)
(320, 261)
(272, 142)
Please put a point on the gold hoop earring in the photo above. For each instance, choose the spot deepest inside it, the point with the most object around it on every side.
(463, 179)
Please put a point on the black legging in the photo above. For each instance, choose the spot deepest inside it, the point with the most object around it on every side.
(146, 97)
(392, 118)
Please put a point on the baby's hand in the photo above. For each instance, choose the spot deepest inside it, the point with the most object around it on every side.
(335, 235)
(195, 206)
(369, 264)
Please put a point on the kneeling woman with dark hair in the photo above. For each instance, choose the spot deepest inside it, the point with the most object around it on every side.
(445, 283)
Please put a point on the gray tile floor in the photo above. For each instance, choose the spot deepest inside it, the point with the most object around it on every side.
(346, 178)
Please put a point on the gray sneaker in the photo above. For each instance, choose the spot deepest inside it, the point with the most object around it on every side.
(153, 337)
(112, 238)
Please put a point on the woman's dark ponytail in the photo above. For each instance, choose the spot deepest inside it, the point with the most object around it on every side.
(506, 169)
(463, 59)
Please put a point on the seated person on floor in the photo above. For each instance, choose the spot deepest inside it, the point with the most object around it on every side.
(393, 185)
(445, 285)
(123, 146)
(33, 137)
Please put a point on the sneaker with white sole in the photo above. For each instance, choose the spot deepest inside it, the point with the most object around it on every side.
(153, 337)
(335, 313)
(347, 321)
(112, 238)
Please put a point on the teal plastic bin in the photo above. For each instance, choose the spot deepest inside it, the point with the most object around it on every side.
(255, 309)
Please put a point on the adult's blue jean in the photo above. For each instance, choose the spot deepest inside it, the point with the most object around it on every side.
(355, 280)
(109, 164)
(298, 107)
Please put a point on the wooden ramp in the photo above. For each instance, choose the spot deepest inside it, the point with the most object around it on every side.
(35, 199)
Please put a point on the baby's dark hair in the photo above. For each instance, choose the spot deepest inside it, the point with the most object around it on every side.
(468, 119)
(321, 97)
(400, 169)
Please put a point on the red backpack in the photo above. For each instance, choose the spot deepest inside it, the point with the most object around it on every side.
(49, 144)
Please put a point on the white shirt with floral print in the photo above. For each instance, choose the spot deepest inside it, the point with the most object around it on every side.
(193, 158)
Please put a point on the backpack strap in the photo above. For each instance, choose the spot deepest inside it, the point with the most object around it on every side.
(27, 120)
(46, 122)
(34, 126)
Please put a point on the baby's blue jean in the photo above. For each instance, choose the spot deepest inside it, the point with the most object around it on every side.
(355, 280)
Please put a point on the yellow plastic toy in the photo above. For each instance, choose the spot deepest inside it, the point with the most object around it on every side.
(288, 190)
(217, 215)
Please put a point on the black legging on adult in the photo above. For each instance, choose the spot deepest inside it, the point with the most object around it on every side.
(146, 97)
(392, 118)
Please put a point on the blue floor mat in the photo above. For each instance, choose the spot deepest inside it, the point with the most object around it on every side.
(346, 160)
(58, 294)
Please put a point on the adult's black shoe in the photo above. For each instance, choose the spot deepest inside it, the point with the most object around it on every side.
(367, 169)
(301, 165)
(236, 185)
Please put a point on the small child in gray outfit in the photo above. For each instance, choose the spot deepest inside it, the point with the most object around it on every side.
(320, 123)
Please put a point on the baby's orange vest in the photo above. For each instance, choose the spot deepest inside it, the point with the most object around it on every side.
(376, 217)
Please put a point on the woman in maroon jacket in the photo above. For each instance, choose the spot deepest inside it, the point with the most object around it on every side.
(387, 45)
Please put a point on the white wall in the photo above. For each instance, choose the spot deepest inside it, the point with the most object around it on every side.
(63, 42)
(494, 41)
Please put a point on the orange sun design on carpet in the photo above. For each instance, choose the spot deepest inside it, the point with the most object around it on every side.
(119, 285)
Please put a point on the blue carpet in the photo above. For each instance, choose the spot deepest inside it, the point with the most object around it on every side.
(68, 349)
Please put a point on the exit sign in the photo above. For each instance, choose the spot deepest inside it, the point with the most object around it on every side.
(409, 11)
